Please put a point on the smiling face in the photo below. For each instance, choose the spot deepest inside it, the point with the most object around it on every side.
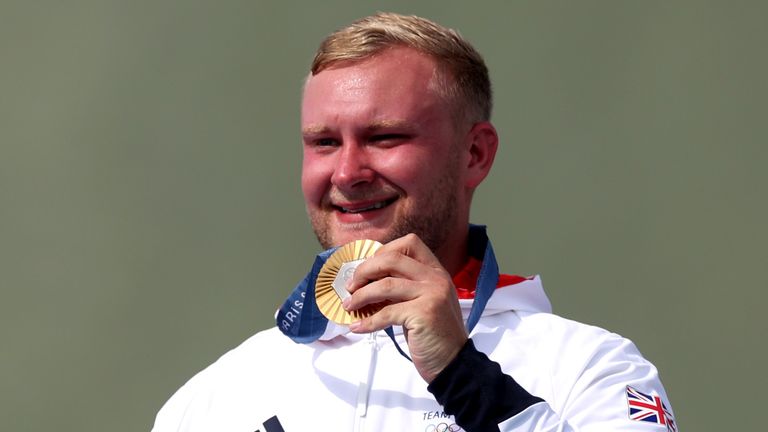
(382, 154)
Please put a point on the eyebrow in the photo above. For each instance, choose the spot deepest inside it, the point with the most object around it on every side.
(387, 124)
(315, 129)
(320, 129)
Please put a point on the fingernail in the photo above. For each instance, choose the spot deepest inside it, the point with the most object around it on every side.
(355, 326)
(345, 303)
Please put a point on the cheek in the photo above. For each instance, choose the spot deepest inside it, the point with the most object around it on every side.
(314, 179)
(407, 169)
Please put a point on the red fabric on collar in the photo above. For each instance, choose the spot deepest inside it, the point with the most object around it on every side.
(465, 280)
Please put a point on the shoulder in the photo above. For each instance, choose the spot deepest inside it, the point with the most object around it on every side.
(265, 348)
(563, 343)
(232, 375)
(579, 340)
(562, 360)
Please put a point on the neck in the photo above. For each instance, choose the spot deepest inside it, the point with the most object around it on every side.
(453, 254)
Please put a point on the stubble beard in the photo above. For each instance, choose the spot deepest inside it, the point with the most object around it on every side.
(432, 226)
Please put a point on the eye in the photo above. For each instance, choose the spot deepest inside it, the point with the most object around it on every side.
(390, 138)
(326, 142)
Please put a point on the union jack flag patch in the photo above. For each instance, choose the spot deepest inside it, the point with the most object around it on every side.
(647, 408)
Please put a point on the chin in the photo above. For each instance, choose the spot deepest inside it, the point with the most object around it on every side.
(348, 236)
(334, 231)
(345, 236)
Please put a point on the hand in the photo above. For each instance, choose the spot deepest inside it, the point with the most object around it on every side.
(419, 296)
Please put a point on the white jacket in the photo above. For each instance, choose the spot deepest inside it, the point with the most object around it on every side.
(348, 382)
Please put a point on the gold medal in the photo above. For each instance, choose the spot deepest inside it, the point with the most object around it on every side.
(330, 287)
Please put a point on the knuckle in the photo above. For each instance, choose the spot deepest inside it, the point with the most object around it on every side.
(430, 311)
(410, 241)
(379, 320)
(443, 276)
(379, 263)
(388, 286)
(410, 238)
(442, 299)
(384, 314)
(389, 259)
(367, 323)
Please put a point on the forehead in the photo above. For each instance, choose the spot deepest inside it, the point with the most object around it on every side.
(390, 86)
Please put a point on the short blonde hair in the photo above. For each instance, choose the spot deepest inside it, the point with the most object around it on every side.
(461, 76)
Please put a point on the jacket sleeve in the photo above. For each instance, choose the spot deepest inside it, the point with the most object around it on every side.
(475, 390)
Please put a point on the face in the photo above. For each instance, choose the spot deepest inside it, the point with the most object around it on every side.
(381, 153)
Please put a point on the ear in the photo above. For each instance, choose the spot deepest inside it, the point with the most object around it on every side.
(482, 142)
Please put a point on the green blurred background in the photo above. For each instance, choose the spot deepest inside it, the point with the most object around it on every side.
(151, 216)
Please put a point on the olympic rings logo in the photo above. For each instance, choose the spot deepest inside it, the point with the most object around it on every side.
(443, 427)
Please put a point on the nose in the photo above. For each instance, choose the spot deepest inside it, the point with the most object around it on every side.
(353, 166)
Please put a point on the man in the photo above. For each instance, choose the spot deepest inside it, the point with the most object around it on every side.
(396, 137)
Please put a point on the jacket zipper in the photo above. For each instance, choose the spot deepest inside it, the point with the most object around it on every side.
(364, 388)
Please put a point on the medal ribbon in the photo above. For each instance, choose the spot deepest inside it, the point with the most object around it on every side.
(300, 319)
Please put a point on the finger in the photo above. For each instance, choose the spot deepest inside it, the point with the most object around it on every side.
(386, 290)
(389, 315)
(404, 257)
(412, 246)
(380, 266)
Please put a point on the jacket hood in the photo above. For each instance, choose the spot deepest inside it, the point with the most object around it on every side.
(526, 296)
